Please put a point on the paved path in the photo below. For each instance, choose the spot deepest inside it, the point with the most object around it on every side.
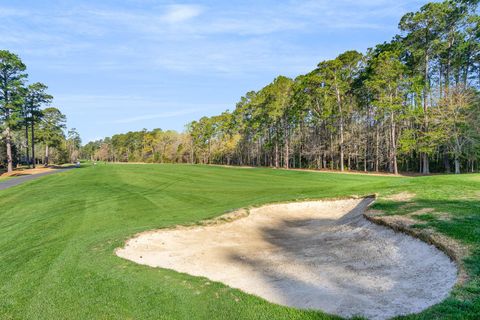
(14, 181)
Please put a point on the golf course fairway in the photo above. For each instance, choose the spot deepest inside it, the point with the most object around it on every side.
(59, 233)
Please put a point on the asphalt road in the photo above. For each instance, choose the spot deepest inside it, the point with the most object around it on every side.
(21, 179)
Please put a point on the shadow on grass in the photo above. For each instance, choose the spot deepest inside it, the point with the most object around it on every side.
(459, 219)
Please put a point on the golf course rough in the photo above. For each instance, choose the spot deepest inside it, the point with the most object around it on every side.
(321, 255)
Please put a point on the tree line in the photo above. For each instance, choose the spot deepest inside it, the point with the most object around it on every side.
(32, 131)
(410, 104)
(141, 146)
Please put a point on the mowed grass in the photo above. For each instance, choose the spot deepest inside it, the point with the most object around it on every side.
(58, 235)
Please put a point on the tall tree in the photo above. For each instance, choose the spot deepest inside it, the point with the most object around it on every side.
(421, 31)
(74, 142)
(455, 116)
(278, 99)
(387, 82)
(12, 77)
(51, 129)
(339, 75)
(35, 98)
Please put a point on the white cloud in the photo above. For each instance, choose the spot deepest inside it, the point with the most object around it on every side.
(181, 12)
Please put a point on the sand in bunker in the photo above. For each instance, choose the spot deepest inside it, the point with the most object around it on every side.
(312, 255)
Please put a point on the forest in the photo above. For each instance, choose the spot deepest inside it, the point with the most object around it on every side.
(33, 132)
(411, 104)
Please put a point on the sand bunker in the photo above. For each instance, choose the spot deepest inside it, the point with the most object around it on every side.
(313, 255)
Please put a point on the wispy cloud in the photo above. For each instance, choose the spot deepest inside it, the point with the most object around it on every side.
(181, 12)
(188, 37)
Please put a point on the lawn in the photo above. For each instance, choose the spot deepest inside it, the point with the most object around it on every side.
(58, 234)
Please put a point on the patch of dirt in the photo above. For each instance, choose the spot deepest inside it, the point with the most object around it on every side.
(438, 215)
(401, 197)
(228, 217)
(368, 173)
(312, 255)
(422, 211)
(232, 166)
(25, 172)
(444, 216)
(408, 205)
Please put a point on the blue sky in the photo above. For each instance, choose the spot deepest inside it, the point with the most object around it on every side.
(115, 66)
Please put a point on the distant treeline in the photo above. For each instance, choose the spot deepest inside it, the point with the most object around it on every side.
(31, 131)
(141, 146)
(411, 104)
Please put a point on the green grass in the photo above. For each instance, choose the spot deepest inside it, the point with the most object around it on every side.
(58, 234)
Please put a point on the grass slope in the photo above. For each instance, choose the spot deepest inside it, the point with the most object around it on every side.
(58, 233)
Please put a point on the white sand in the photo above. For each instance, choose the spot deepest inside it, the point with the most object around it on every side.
(311, 255)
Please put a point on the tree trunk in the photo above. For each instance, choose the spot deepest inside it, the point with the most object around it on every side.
(300, 148)
(377, 148)
(276, 154)
(458, 152)
(46, 155)
(33, 146)
(446, 162)
(8, 142)
(365, 161)
(339, 102)
(209, 151)
(300, 158)
(341, 144)
(394, 144)
(26, 144)
(287, 150)
(425, 164)
(259, 155)
(457, 164)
